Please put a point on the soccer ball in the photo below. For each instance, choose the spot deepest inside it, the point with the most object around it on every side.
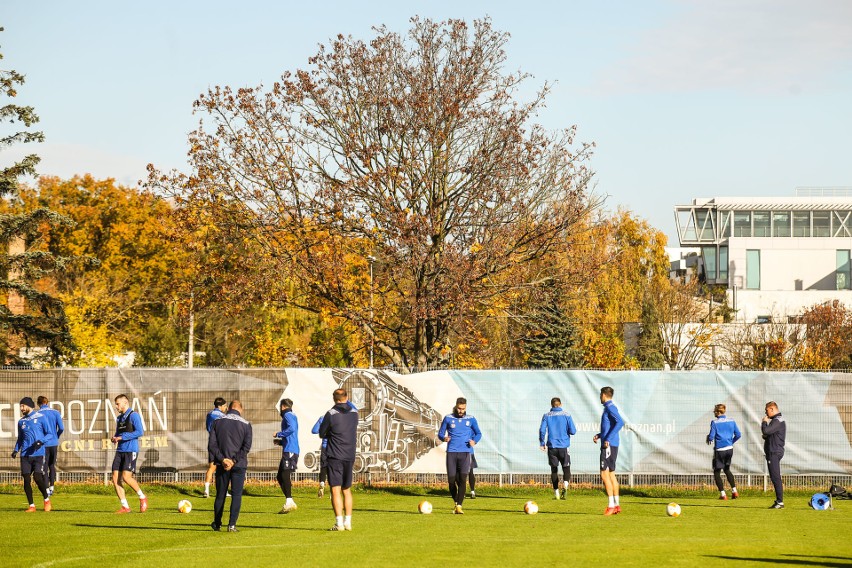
(673, 510)
(184, 506)
(425, 507)
(530, 508)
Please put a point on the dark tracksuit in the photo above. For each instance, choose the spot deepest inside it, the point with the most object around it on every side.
(230, 437)
(461, 430)
(32, 434)
(55, 429)
(774, 435)
(339, 427)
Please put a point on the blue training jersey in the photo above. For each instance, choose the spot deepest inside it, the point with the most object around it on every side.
(32, 429)
(212, 417)
(289, 433)
(556, 429)
(55, 426)
(461, 430)
(129, 426)
(611, 424)
(723, 433)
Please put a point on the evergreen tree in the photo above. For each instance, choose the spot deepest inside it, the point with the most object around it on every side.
(553, 341)
(29, 316)
(649, 352)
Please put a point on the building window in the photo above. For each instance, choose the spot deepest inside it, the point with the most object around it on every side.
(723, 263)
(742, 223)
(752, 270)
(801, 223)
(822, 223)
(843, 271)
(761, 223)
(725, 218)
(709, 254)
(781, 224)
(841, 222)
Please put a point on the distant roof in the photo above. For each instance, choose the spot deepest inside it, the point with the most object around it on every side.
(775, 203)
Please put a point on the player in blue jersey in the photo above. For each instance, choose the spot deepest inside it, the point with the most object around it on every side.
(55, 429)
(554, 437)
(461, 432)
(128, 429)
(288, 439)
(32, 435)
(611, 424)
(723, 434)
(220, 407)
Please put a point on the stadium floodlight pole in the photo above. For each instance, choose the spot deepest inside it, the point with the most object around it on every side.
(371, 259)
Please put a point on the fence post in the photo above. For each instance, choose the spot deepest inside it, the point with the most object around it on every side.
(765, 487)
(630, 479)
(500, 480)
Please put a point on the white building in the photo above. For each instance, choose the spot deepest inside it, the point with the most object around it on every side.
(777, 255)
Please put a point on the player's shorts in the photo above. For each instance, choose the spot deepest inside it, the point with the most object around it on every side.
(32, 464)
(340, 473)
(473, 461)
(124, 461)
(558, 456)
(608, 457)
(722, 458)
(289, 461)
(458, 462)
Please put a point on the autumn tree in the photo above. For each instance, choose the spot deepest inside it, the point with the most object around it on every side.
(828, 328)
(687, 334)
(29, 316)
(414, 150)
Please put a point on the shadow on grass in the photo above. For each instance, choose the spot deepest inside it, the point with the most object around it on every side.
(800, 560)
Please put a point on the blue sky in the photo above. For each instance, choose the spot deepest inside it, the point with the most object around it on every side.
(683, 98)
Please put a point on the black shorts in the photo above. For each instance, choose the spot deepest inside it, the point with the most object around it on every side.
(608, 457)
(558, 456)
(722, 458)
(340, 473)
(458, 462)
(124, 461)
(288, 461)
(32, 464)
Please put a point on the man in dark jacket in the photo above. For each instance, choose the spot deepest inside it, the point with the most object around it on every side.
(774, 431)
(340, 428)
(229, 445)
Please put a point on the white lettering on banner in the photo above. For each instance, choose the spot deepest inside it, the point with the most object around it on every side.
(4, 433)
(651, 428)
(70, 418)
(92, 429)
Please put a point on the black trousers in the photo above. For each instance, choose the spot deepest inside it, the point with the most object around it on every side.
(235, 479)
(50, 464)
(773, 464)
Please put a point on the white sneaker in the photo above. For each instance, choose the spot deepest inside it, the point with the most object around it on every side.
(556, 495)
(347, 526)
(206, 494)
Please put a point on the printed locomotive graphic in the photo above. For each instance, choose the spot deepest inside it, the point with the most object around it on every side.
(394, 427)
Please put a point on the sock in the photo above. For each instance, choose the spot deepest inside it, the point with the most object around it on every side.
(124, 504)
(612, 501)
(207, 488)
(32, 504)
(347, 520)
(565, 484)
(290, 501)
(338, 521)
(322, 483)
(141, 495)
(556, 493)
(47, 500)
(616, 500)
(722, 493)
(733, 490)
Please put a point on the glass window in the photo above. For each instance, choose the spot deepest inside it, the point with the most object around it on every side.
(801, 223)
(742, 223)
(709, 254)
(705, 225)
(761, 223)
(780, 223)
(822, 223)
(725, 224)
(723, 263)
(841, 223)
(686, 223)
(843, 270)
(753, 270)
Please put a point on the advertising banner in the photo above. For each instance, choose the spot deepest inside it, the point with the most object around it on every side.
(667, 416)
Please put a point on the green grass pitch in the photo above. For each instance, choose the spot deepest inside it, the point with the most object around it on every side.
(388, 531)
